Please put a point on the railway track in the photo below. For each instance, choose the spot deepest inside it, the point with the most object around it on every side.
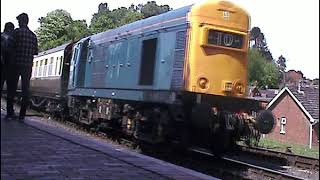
(255, 172)
(302, 162)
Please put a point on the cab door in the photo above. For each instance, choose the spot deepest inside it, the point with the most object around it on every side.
(73, 63)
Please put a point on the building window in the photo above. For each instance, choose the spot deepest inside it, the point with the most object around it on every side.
(283, 123)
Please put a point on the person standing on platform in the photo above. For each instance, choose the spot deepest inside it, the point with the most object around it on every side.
(7, 63)
(26, 47)
(7, 53)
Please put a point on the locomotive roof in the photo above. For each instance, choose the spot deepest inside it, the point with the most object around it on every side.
(56, 49)
(153, 21)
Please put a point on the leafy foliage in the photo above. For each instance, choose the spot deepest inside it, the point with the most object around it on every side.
(259, 42)
(106, 19)
(152, 9)
(263, 72)
(101, 21)
(282, 63)
(57, 28)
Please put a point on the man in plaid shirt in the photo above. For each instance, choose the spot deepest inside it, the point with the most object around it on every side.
(26, 47)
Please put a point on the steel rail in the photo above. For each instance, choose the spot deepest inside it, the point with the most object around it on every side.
(262, 172)
(302, 162)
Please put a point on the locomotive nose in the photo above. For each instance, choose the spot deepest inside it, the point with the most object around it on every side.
(265, 122)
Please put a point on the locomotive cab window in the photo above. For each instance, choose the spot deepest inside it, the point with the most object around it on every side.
(149, 48)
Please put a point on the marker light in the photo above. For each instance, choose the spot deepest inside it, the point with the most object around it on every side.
(203, 83)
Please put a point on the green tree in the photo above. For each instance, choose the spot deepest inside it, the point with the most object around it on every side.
(271, 77)
(101, 22)
(129, 17)
(255, 33)
(255, 67)
(262, 71)
(152, 9)
(122, 16)
(106, 19)
(281, 62)
(57, 28)
(78, 29)
(258, 41)
(53, 29)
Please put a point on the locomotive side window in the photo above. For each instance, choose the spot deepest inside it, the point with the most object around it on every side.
(148, 60)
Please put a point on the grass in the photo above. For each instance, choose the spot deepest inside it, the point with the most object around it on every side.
(295, 148)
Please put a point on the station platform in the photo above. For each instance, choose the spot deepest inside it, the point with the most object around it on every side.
(37, 150)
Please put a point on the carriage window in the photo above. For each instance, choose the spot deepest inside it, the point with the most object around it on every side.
(50, 67)
(148, 60)
(33, 65)
(56, 69)
(61, 64)
(35, 69)
(41, 68)
(45, 67)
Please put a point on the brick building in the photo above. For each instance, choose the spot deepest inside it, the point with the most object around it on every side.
(297, 113)
(294, 77)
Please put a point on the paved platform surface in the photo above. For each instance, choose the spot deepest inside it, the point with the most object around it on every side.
(35, 150)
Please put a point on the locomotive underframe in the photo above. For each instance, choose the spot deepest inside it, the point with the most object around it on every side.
(193, 120)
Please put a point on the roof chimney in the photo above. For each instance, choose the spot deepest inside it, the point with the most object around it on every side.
(299, 88)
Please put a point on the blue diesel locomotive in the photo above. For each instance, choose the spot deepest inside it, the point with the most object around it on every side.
(178, 77)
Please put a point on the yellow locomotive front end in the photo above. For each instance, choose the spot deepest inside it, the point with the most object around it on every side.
(217, 49)
(216, 77)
